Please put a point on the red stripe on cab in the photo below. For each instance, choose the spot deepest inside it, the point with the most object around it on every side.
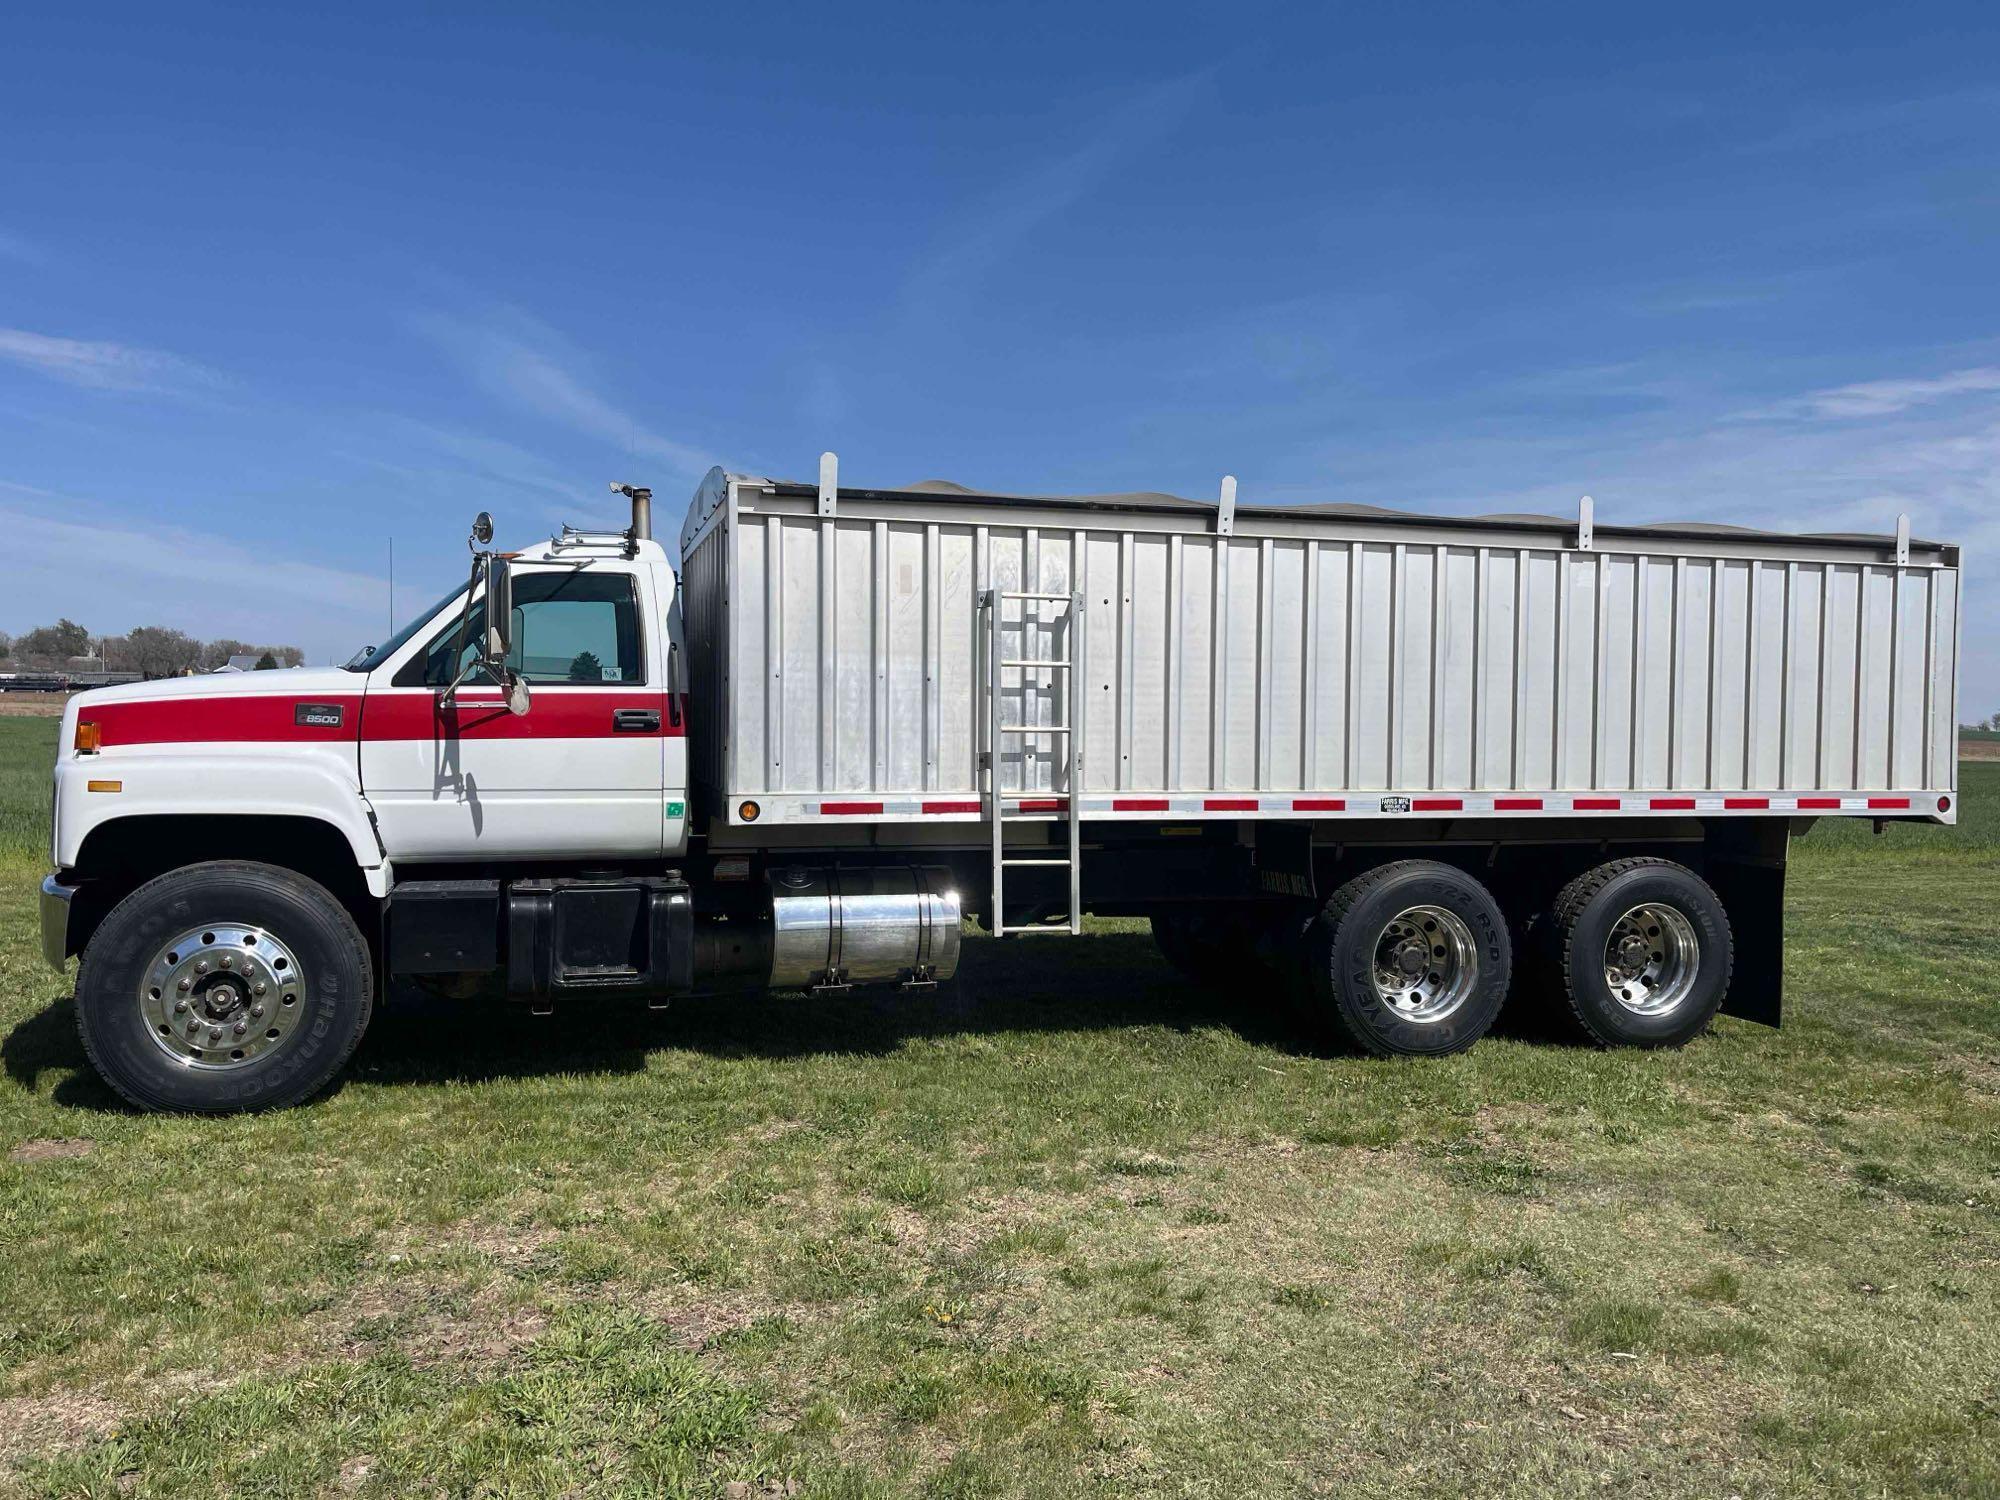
(250, 718)
(387, 714)
(553, 714)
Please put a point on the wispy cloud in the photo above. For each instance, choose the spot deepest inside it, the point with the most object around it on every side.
(996, 228)
(1881, 398)
(100, 365)
(138, 575)
(531, 368)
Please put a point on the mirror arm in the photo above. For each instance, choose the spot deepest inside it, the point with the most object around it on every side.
(464, 624)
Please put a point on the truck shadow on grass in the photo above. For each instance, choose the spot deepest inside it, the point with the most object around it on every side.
(1099, 982)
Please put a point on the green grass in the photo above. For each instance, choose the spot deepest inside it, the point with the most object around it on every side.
(1072, 1228)
(27, 751)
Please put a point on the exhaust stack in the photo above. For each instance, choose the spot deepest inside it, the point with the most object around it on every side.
(642, 509)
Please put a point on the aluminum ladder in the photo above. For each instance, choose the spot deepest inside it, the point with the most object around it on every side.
(994, 602)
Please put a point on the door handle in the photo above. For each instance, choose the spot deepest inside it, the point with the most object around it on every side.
(635, 720)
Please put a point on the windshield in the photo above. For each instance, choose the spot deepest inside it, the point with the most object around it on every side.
(372, 656)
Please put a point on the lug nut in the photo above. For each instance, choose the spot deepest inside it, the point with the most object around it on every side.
(256, 1010)
(228, 961)
(215, 1033)
(258, 988)
(201, 966)
(180, 1007)
(241, 1027)
(187, 984)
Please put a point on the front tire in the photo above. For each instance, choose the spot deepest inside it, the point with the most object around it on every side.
(224, 987)
(1645, 952)
(1411, 959)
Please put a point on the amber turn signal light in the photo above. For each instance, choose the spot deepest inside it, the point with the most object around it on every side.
(87, 737)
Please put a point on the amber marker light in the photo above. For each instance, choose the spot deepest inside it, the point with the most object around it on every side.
(106, 786)
(749, 812)
(88, 736)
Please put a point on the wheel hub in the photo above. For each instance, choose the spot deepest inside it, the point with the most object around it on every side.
(221, 995)
(1651, 959)
(1426, 963)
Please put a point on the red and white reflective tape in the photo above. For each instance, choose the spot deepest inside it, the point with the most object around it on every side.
(1209, 805)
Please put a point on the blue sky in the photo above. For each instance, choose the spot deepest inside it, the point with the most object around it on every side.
(277, 283)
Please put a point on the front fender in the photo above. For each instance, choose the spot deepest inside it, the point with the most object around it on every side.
(94, 790)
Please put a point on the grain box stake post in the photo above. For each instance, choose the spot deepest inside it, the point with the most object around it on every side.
(1399, 764)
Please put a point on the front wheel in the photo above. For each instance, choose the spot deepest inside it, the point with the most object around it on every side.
(223, 987)
(1411, 958)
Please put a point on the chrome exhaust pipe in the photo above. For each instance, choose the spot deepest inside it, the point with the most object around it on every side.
(642, 509)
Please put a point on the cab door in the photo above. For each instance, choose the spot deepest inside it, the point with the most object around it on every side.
(579, 775)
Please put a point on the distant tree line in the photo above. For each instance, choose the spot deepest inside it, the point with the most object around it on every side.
(151, 651)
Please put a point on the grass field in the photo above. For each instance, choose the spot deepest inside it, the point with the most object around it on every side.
(1073, 1229)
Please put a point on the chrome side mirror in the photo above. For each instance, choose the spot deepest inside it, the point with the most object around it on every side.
(482, 529)
(499, 611)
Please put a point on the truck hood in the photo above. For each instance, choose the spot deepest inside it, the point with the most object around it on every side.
(295, 682)
(312, 705)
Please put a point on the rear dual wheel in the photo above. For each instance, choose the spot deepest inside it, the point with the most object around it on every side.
(1644, 952)
(1411, 958)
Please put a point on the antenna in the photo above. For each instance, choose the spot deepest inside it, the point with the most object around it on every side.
(392, 590)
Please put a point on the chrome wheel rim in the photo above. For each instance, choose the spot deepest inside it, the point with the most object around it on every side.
(1651, 959)
(221, 995)
(1426, 963)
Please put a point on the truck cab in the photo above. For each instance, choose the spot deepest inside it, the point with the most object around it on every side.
(410, 754)
(597, 765)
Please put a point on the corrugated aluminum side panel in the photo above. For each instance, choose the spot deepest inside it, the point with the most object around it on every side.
(851, 660)
(703, 589)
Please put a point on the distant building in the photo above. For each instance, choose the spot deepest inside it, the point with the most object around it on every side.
(245, 663)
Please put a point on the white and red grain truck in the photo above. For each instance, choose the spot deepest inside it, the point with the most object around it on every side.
(1385, 759)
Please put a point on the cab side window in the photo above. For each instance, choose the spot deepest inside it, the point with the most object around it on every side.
(570, 627)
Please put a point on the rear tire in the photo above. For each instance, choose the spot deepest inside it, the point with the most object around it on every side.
(224, 987)
(1645, 952)
(1410, 959)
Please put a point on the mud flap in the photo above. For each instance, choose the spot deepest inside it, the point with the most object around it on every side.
(1746, 865)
